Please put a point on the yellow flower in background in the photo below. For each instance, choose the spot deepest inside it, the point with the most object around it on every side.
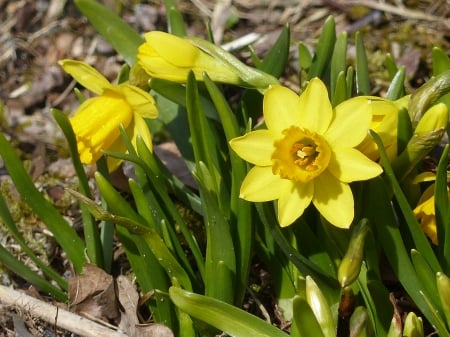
(169, 57)
(96, 122)
(384, 123)
(426, 214)
(307, 153)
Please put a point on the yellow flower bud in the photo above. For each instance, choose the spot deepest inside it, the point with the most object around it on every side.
(169, 57)
(413, 326)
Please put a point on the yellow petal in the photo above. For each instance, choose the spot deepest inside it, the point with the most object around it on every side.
(140, 129)
(141, 101)
(351, 122)
(171, 48)
(281, 108)
(261, 184)
(96, 124)
(315, 111)
(350, 165)
(294, 199)
(334, 200)
(256, 147)
(86, 75)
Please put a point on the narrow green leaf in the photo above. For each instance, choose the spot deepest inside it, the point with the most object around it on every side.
(23, 271)
(175, 20)
(350, 79)
(340, 93)
(438, 322)
(441, 61)
(122, 37)
(397, 87)
(362, 67)
(426, 277)
(230, 319)
(441, 204)
(324, 49)
(404, 130)
(420, 240)
(338, 62)
(127, 217)
(92, 236)
(391, 66)
(241, 219)
(276, 59)
(304, 56)
(64, 234)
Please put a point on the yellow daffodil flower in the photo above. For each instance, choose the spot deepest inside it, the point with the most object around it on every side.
(307, 153)
(169, 57)
(96, 122)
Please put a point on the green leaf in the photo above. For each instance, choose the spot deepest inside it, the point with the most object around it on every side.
(441, 204)
(404, 130)
(23, 271)
(122, 37)
(225, 317)
(64, 234)
(93, 244)
(277, 58)
(338, 63)
(391, 66)
(241, 218)
(175, 22)
(397, 88)
(441, 61)
(340, 93)
(362, 67)
(304, 56)
(324, 49)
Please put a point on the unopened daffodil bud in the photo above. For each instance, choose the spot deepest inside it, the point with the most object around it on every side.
(428, 94)
(169, 57)
(443, 286)
(427, 134)
(320, 307)
(413, 326)
(351, 263)
(96, 122)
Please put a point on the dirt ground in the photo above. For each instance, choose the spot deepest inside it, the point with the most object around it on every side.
(34, 35)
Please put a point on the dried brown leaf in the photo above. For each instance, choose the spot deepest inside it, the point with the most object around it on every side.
(92, 294)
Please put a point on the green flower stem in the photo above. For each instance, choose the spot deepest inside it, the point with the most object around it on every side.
(241, 220)
(94, 248)
(64, 234)
(175, 20)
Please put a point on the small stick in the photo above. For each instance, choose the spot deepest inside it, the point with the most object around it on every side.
(53, 315)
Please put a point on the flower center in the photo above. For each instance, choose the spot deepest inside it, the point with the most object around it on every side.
(300, 155)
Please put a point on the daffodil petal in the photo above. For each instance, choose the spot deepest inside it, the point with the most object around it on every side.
(140, 129)
(334, 200)
(351, 122)
(261, 184)
(141, 101)
(86, 75)
(281, 108)
(256, 147)
(294, 199)
(349, 165)
(315, 111)
(171, 48)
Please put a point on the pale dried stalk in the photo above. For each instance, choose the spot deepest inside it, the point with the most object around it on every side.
(55, 316)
